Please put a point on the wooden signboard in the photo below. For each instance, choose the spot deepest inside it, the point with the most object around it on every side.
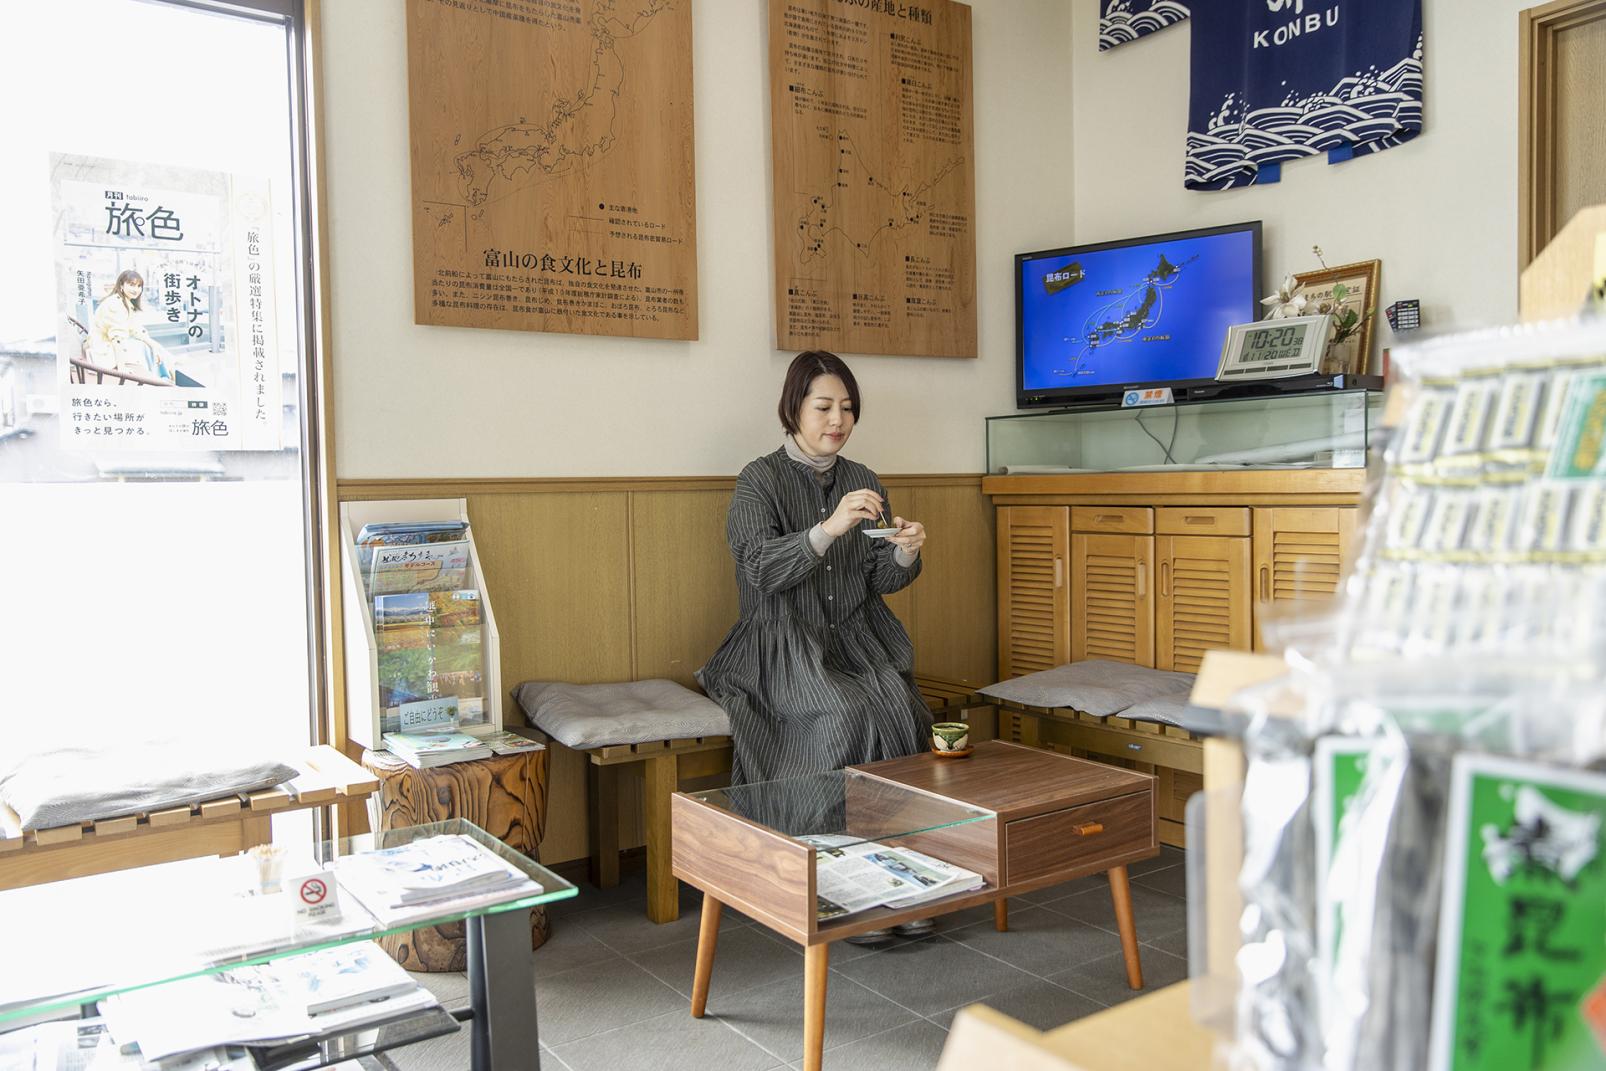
(553, 185)
(875, 245)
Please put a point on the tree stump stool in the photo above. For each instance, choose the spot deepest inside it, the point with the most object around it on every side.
(505, 795)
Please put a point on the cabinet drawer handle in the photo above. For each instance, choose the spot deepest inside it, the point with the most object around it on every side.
(1142, 579)
(1198, 520)
(1087, 829)
(1059, 572)
(1165, 580)
(1107, 518)
(1265, 583)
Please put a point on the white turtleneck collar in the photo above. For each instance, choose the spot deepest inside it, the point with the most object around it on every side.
(798, 454)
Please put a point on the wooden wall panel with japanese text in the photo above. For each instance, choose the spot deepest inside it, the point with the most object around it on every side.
(871, 128)
(553, 183)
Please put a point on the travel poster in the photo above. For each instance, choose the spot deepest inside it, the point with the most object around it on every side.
(166, 333)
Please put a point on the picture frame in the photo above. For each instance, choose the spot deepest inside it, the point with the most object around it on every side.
(1358, 295)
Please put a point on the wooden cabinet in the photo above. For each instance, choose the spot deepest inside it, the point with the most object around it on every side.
(1112, 597)
(1158, 585)
(1300, 554)
(1033, 599)
(1155, 569)
(1203, 599)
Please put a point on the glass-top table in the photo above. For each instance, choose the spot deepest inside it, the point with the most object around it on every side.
(85, 939)
(845, 805)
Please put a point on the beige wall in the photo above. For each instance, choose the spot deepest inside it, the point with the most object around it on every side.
(504, 403)
(1440, 211)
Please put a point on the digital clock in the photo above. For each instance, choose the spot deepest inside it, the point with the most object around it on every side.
(1273, 349)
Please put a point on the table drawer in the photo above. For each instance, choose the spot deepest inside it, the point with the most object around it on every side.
(1136, 520)
(1065, 840)
(1203, 520)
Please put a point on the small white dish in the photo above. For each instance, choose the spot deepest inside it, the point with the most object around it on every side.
(880, 533)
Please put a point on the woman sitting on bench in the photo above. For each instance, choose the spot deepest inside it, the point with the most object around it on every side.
(817, 673)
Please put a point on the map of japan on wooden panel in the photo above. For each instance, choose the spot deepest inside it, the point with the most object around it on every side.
(553, 184)
(875, 247)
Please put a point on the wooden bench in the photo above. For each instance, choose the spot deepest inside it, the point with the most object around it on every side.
(220, 826)
(1172, 754)
(664, 764)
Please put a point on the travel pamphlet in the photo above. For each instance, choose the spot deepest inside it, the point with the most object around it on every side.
(429, 644)
(418, 567)
(427, 876)
(341, 977)
(424, 750)
(504, 742)
(258, 1005)
(88, 1045)
(853, 875)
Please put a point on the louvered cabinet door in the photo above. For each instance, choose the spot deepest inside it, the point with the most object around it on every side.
(1112, 593)
(1202, 600)
(1033, 592)
(1299, 554)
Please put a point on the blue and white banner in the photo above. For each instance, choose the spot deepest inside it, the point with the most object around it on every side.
(1273, 80)
(1121, 21)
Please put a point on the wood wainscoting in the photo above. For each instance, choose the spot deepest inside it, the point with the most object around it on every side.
(630, 578)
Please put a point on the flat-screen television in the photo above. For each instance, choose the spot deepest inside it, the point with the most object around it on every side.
(1095, 321)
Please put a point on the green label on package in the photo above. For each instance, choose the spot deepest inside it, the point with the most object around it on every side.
(1578, 453)
(1522, 933)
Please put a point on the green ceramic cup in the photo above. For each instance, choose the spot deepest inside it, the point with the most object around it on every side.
(950, 736)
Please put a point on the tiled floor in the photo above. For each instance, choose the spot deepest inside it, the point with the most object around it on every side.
(612, 989)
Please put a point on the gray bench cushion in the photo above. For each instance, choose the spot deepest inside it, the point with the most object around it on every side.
(1165, 709)
(1094, 687)
(69, 785)
(626, 712)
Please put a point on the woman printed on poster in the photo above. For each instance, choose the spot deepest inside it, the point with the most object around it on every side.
(117, 338)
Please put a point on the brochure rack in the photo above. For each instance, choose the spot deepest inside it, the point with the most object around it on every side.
(364, 710)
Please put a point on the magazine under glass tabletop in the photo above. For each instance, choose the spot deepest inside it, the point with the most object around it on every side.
(86, 939)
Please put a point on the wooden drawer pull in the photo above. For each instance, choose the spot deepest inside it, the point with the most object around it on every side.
(1087, 829)
(1107, 518)
(1198, 520)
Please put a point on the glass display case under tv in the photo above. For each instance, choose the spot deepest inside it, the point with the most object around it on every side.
(1321, 429)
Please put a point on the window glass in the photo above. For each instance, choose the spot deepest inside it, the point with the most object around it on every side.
(153, 550)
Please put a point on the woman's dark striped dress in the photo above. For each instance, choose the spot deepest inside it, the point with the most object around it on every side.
(817, 673)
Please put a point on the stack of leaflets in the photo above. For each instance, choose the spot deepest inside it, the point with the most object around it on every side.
(429, 646)
(426, 877)
(503, 742)
(87, 1045)
(405, 534)
(318, 994)
(423, 750)
(406, 556)
(854, 875)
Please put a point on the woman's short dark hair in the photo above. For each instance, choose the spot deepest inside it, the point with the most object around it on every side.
(805, 369)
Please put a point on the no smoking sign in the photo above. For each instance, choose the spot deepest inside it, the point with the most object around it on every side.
(317, 898)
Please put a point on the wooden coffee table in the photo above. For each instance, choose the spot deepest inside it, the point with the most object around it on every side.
(1023, 818)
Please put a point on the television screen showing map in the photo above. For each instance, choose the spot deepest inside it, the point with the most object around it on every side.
(1150, 312)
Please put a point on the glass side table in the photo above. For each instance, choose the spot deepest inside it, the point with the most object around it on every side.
(93, 937)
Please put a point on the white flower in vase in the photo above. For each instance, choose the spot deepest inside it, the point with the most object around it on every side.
(1289, 300)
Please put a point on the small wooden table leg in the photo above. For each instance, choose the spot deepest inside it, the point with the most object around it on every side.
(1001, 915)
(660, 780)
(707, 940)
(816, 962)
(603, 800)
(1121, 894)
